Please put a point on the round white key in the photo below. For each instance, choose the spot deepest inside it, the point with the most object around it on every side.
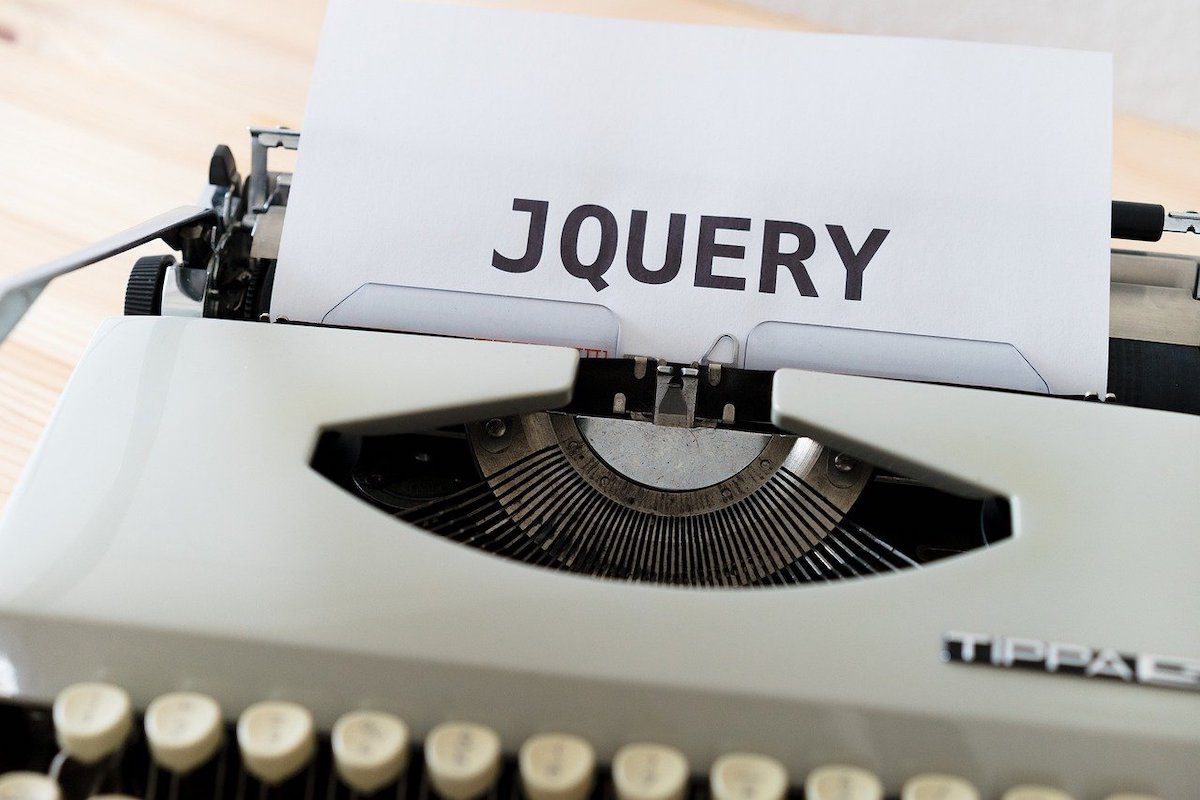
(649, 772)
(92, 720)
(184, 730)
(838, 782)
(462, 759)
(747, 776)
(28, 786)
(370, 749)
(276, 739)
(1035, 793)
(556, 766)
(938, 787)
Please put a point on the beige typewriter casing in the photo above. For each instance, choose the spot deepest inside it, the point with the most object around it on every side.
(170, 533)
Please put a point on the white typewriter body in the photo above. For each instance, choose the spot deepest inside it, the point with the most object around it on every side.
(170, 533)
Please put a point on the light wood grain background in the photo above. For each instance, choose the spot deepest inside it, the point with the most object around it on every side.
(109, 110)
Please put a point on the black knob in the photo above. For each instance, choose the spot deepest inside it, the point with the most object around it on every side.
(222, 168)
(143, 293)
(1140, 222)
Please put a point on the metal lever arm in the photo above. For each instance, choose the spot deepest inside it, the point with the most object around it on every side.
(19, 292)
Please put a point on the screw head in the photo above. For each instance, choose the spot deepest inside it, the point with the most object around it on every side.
(495, 427)
(844, 463)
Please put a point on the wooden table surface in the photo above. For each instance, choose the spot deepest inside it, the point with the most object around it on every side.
(109, 110)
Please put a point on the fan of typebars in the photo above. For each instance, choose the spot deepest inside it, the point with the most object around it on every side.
(641, 502)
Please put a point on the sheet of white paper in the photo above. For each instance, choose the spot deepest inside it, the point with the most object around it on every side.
(978, 174)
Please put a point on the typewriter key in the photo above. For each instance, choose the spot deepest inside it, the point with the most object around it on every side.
(277, 740)
(1035, 793)
(842, 783)
(370, 749)
(557, 766)
(938, 787)
(92, 720)
(28, 786)
(649, 772)
(184, 730)
(748, 776)
(462, 759)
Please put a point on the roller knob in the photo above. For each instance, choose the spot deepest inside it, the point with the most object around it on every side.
(143, 292)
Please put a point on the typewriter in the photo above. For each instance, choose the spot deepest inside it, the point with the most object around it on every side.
(253, 559)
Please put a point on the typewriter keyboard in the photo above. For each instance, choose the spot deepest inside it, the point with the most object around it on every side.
(93, 744)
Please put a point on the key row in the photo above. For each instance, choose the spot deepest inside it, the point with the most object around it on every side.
(276, 740)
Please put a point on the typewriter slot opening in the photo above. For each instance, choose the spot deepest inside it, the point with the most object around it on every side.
(617, 496)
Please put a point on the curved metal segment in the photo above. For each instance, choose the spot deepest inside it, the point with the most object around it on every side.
(549, 499)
